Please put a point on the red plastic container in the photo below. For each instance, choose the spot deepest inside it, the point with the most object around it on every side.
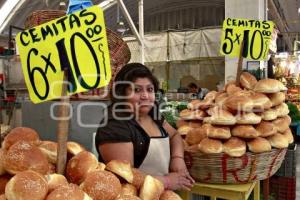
(284, 188)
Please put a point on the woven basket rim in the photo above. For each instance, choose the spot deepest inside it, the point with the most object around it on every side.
(221, 154)
(224, 169)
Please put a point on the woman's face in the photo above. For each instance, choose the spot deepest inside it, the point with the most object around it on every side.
(141, 98)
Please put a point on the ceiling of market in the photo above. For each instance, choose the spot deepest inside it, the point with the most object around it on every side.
(287, 10)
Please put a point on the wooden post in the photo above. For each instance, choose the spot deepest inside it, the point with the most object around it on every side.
(240, 65)
(63, 128)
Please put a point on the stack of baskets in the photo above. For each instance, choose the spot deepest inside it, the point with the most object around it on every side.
(42, 16)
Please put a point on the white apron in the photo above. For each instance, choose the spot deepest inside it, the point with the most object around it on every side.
(157, 160)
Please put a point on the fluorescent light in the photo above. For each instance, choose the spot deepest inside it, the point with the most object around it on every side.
(106, 4)
(8, 10)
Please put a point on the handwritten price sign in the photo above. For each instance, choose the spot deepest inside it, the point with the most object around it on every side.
(256, 34)
(76, 43)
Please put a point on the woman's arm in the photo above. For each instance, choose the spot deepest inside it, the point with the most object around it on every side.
(177, 163)
(117, 151)
(176, 142)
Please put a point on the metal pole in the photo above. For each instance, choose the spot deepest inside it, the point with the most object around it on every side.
(129, 20)
(141, 29)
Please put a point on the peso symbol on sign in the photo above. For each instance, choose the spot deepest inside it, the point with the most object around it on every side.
(255, 34)
(76, 44)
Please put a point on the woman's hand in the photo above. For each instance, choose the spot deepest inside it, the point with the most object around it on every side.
(178, 180)
(177, 164)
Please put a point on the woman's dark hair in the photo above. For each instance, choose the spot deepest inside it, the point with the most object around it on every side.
(130, 73)
(192, 85)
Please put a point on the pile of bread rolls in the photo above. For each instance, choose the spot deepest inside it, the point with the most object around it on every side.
(27, 171)
(252, 116)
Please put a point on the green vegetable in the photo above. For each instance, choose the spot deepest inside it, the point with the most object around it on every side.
(294, 112)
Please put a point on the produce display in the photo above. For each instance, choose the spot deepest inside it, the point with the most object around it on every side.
(27, 171)
(252, 116)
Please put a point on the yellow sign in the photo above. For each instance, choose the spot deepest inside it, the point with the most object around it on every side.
(75, 43)
(256, 34)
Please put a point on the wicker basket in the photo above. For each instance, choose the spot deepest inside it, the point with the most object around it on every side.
(223, 169)
(42, 16)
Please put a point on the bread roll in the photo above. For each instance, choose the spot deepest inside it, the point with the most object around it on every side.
(169, 195)
(282, 110)
(234, 147)
(210, 146)
(288, 119)
(223, 117)
(192, 148)
(23, 156)
(138, 178)
(269, 86)
(3, 181)
(152, 189)
(246, 93)
(217, 132)
(278, 141)
(183, 130)
(281, 124)
(2, 169)
(239, 103)
(204, 104)
(74, 148)
(55, 180)
(80, 165)
(26, 185)
(248, 118)
(181, 122)
(269, 115)
(197, 104)
(244, 131)
(195, 136)
(20, 133)
(260, 102)
(51, 168)
(220, 99)
(193, 104)
(49, 148)
(259, 145)
(121, 168)
(232, 88)
(211, 95)
(266, 128)
(128, 189)
(102, 185)
(277, 98)
(195, 123)
(192, 115)
(247, 80)
(101, 166)
(70, 192)
(289, 135)
(216, 110)
(127, 197)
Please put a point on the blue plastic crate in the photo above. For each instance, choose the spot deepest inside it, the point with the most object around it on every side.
(295, 127)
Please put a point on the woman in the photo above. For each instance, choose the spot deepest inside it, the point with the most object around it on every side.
(136, 132)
